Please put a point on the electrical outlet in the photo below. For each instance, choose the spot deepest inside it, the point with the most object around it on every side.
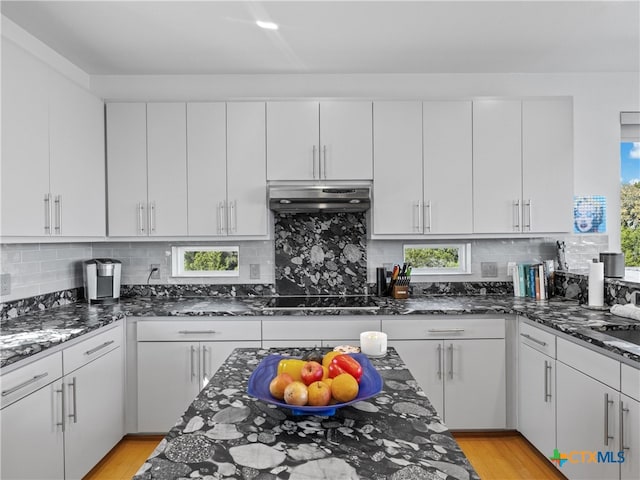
(5, 283)
(254, 271)
(488, 269)
(155, 274)
(510, 267)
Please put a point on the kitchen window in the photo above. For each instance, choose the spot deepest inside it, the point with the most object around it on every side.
(439, 259)
(205, 261)
(630, 190)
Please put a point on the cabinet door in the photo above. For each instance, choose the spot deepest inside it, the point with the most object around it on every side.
(167, 371)
(547, 165)
(213, 355)
(246, 182)
(537, 399)
(448, 182)
(95, 412)
(497, 166)
(587, 413)
(346, 143)
(397, 179)
(424, 360)
(127, 169)
(292, 140)
(630, 438)
(474, 385)
(207, 168)
(24, 172)
(32, 426)
(167, 168)
(76, 142)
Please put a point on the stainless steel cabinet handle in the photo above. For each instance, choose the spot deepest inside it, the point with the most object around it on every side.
(451, 361)
(516, 224)
(233, 217)
(152, 217)
(191, 332)
(607, 402)
(324, 162)
(99, 347)
(24, 384)
(63, 409)
(313, 160)
(427, 207)
(58, 204)
(533, 339)
(547, 388)
(528, 217)
(140, 218)
(622, 412)
(205, 375)
(439, 362)
(193, 369)
(221, 218)
(417, 221)
(74, 415)
(47, 213)
(445, 330)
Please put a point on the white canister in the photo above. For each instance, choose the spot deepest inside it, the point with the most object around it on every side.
(373, 344)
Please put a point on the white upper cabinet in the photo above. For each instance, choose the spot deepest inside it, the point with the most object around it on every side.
(497, 166)
(448, 170)
(522, 165)
(397, 184)
(147, 170)
(52, 152)
(310, 140)
(422, 167)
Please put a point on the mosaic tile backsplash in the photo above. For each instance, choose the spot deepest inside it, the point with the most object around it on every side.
(320, 254)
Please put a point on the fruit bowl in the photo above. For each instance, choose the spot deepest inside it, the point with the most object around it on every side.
(370, 385)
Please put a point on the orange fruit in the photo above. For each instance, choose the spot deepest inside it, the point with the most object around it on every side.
(326, 360)
(344, 387)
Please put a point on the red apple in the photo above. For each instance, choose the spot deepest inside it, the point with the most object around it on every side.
(311, 372)
(278, 384)
(296, 393)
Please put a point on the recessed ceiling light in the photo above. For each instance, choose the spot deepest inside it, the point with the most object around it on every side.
(267, 25)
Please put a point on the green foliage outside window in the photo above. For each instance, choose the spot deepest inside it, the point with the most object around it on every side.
(630, 223)
(212, 260)
(432, 257)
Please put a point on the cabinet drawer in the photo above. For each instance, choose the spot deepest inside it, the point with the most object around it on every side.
(196, 330)
(25, 380)
(603, 369)
(425, 328)
(84, 352)
(537, 339)
(630, 381)
(315, 328)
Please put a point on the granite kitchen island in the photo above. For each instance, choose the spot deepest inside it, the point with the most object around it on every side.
(226, 433)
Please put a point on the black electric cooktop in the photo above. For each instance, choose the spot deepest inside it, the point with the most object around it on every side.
(322, 302)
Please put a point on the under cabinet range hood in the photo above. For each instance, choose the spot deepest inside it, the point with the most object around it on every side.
(319, 198)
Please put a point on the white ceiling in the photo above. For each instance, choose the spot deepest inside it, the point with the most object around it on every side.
(213, 37)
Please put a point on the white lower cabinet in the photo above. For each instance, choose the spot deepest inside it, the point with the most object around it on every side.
(537, 388)
(69, 421)
(459, 363)
(176, 359)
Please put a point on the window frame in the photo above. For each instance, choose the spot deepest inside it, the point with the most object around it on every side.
(464, 259)
(177, 261)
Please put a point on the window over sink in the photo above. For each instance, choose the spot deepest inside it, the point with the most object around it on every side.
(438, 259)
(205, 261)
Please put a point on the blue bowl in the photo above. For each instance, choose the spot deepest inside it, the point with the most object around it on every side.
(370, 385)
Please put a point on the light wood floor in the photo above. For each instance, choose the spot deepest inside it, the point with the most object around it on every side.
(504, 456)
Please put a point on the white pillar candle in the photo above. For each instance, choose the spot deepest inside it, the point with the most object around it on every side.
(373, 344)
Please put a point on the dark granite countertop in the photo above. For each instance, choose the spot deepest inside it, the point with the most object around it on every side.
(395, 435)
(27, 335)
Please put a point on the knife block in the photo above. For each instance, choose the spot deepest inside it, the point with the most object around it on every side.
(400, 291)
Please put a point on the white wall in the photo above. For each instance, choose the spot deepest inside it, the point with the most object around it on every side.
(598, 101)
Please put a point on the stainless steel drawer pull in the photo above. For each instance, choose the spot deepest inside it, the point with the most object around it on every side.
(193, 369)
(47, 213)
(99, 347)
(445, 330)
(24, 384)
(62, 423)
(195, 332)
(547, 369)
(313, 159)
(74, 415)
(533, 339)
(439, 362)
(451, 361)
(607, 402)
(58, 204)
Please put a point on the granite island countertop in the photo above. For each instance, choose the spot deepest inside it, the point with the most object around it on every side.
(27, 335)
(395, 435)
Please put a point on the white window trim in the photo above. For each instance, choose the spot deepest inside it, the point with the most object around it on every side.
(177, 261)
(464, 257)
